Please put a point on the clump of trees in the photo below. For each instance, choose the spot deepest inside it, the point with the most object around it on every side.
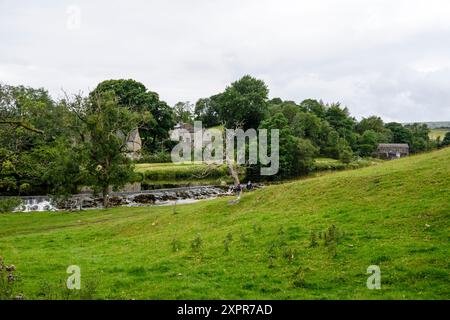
(308, 129)
(55, 147)
(446, 141)
(49, 147)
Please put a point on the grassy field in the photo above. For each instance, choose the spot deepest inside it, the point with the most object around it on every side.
(328, 164)
(182, 174)
(435, 133)
(395, 215)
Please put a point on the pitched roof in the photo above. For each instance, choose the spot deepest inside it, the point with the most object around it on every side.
(183, 125)
(393, 145)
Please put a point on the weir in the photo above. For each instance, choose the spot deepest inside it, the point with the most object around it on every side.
(142, 198)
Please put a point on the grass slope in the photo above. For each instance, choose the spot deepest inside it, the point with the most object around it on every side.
(435, 133)
(395, 215)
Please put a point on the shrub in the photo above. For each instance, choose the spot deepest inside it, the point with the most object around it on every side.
(272, 254)
(346, 155)
(227, 242)
(332, 235)
(9, 204)
(313, 240)
(331, 238)
(244, 238)
(158, 157)
(196, 244)
(7, 281)
(298, 278)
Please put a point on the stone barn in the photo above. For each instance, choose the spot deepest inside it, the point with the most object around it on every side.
(176, 131)
(391, 151)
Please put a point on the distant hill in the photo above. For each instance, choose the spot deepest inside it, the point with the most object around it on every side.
(433, 124)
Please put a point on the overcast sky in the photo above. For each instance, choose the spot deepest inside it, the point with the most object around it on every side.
(390, 58)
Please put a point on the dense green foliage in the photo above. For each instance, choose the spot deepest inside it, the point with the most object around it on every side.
(30, 124)
(182, 173)
(55, 147)
(135, 96)
(243, 104)
(102, 119)
(394, 215)
(308, 129)
(183, 112)
(49, 147)
(9, 204)
(446, 140)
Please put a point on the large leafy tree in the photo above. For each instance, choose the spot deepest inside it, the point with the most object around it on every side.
(308, 126)
(371, 123)
(420, 137)
(367, 142)
(135, 96)
(105, 126)
(243, 103)
(295, 154)
(339, 118)
(446, 141)
(29, 121)
(314, 106)
(372, 131)
(375, 124)
(207, 111)
(183, 111)
(399, 133)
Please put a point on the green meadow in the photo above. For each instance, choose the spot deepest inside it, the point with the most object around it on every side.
(308, 239)
(435, 133)
(182, 174)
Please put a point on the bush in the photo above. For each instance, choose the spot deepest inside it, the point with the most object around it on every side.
(196, 244)
(324, 164)
(9, 204)
(227, 242)
(159, 157)
(346, 155)
(185, 172)
(313, 240)
(298, 278)
(7, 280)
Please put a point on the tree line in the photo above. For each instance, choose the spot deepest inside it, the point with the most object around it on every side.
(52, 146)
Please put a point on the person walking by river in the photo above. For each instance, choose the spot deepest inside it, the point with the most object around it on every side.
(238, 190)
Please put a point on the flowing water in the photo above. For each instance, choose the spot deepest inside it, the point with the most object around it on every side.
(30, 204)
(159, 197)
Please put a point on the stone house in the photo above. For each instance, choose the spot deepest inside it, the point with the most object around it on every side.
(391, 151)
(175, 132)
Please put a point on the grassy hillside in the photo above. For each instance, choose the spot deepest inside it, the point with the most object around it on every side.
(435, 133)
(395, 215)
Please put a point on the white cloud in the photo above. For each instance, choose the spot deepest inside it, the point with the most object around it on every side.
(376, 56)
